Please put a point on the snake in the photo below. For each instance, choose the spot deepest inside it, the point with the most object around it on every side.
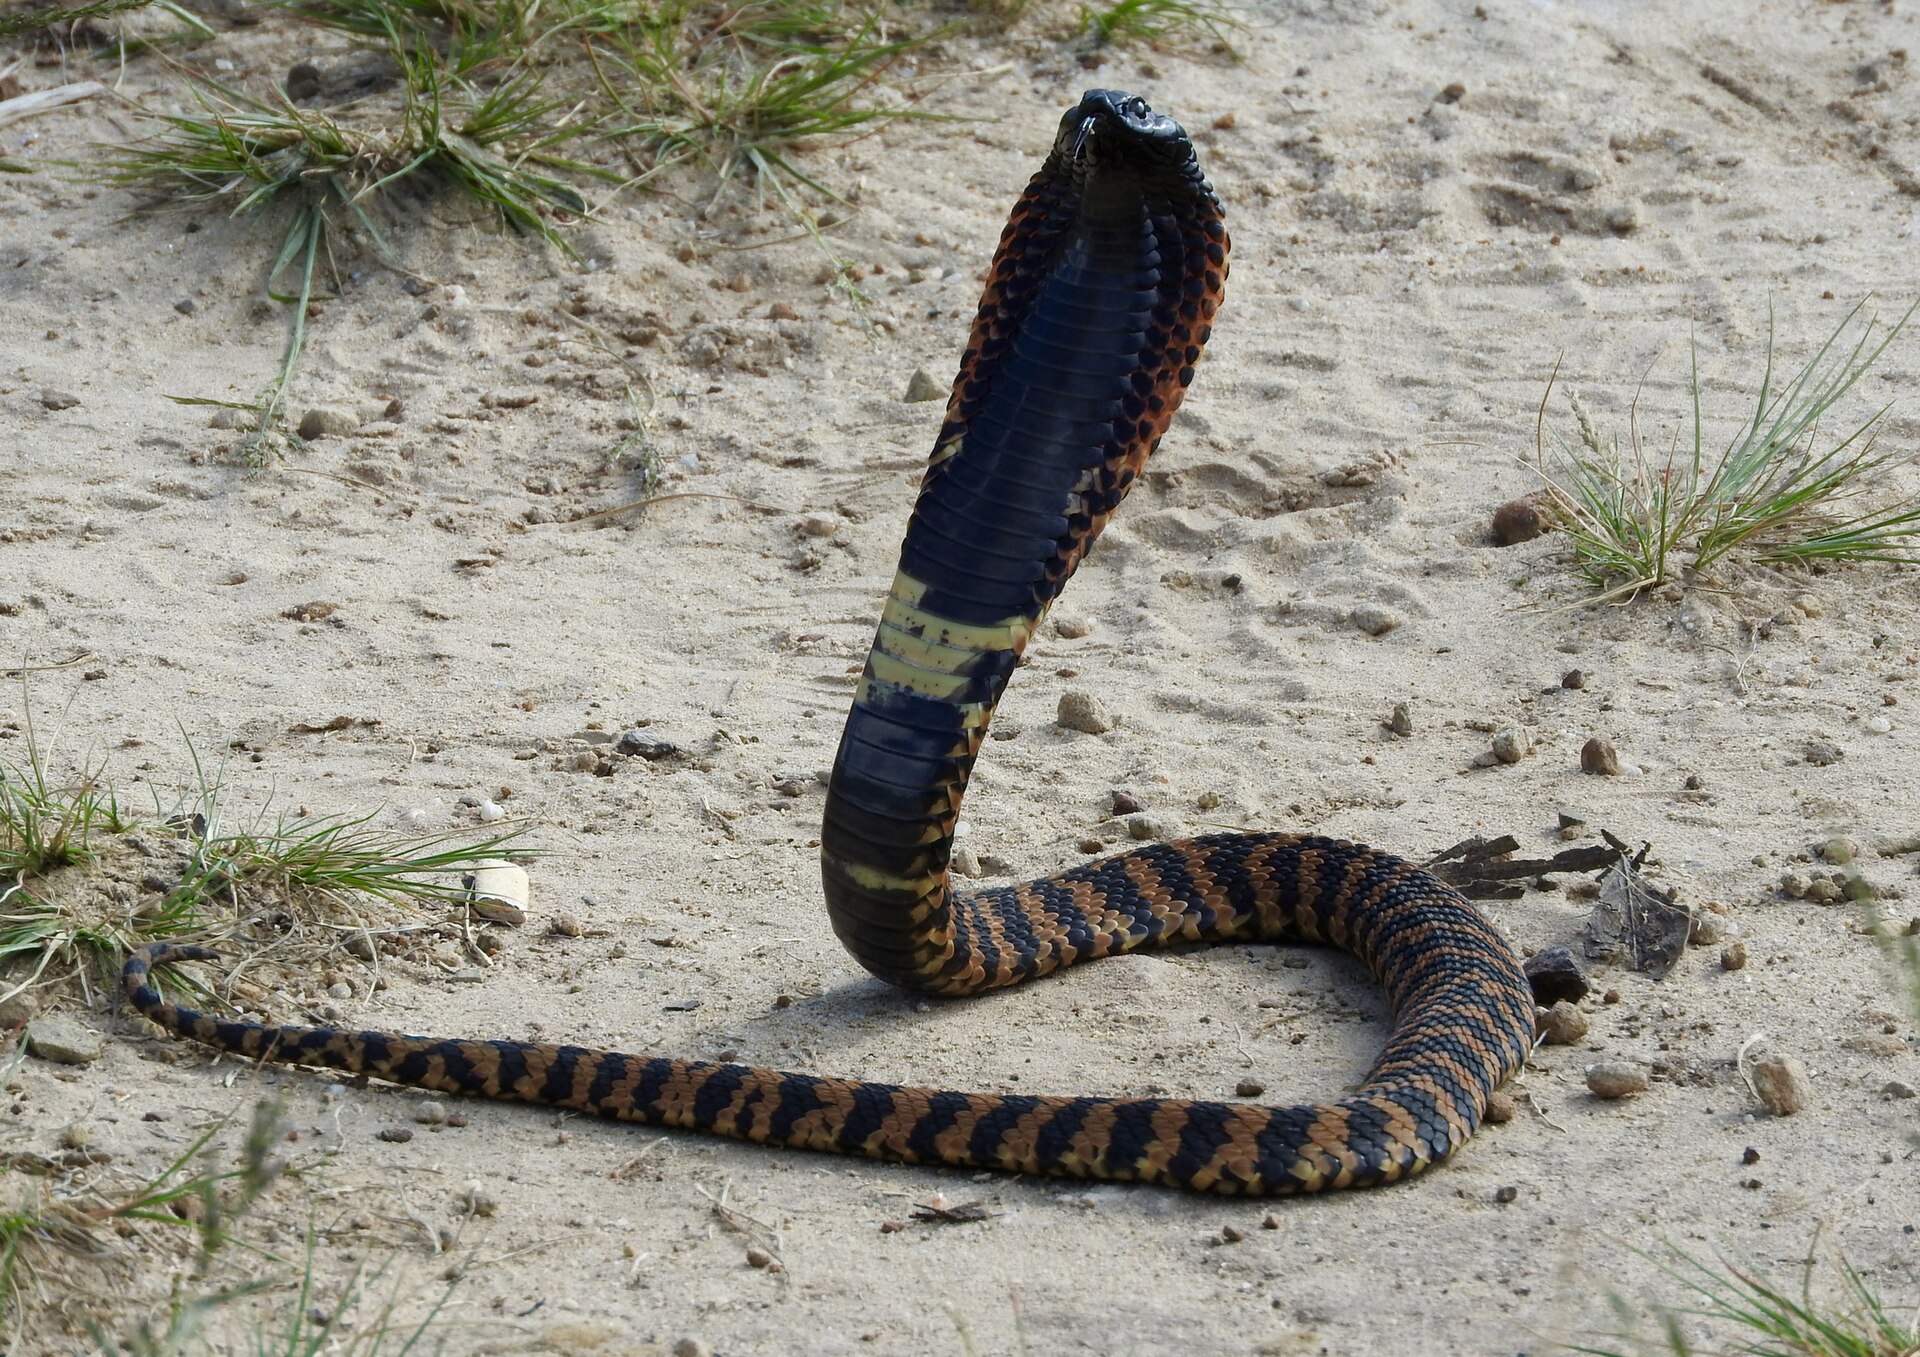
(1099, 301)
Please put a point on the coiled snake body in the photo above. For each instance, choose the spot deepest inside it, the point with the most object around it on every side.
(1100, 300)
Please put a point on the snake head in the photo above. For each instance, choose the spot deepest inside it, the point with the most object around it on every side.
(1111, 130)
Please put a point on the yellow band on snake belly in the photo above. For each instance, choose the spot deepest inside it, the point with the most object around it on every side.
(1100, 300)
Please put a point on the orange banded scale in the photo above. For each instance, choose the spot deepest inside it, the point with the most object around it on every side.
(1101, 298)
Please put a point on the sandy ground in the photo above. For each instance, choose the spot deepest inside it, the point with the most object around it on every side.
(1408, 265)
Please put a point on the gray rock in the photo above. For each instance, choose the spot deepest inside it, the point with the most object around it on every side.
(921, 387)
(1563, 1024)
(1821, 753)
(1373, 619)
(327, 421)
(53, 399)
(1612, 1079)
(1899, 1088)
(1556, 976)
(1511, 744)
(1082, 711)
(64, 1041)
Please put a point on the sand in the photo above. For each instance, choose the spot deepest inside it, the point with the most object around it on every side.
(1431, 204)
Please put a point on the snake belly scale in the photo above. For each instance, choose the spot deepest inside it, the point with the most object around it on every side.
(1100, 300)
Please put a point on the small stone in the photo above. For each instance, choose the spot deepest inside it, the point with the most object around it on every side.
(1555, 977)
(1838, 850)
(1511, 744)
(691, 1347)
(1615, 1079)
(1598, 756)
(1400, 720)
(64, 1041)
(1573, 678)
(431, 1113)
(781, 311)
(1706, 929)
(1270, 1221)
(1500, 1109)
(1822, 753)
(1795, 885)
(1146, 827)
(1231, 1234)
(1517, 521)
(1562, 1025)
(637, 743)
(54, 399)
(1248, 1088)
(1733, 957)
(1782, 1084)
(921, 387)
(77, 1136)
(397, 1135)
(475, 1200)
(339, 989)
(18, 1010)
(757, 1257)
(565, 926)
(1750, 1155)
(1823, 890)
(1373, 619)
(360, 945)
(1125, 802)
(1503, 1195)
(820, 525)
(966, 862)
(1082, 711)
(1898, 1088)
(327, 421)
(1073, 628)
(1453, 93)
(1879, 725)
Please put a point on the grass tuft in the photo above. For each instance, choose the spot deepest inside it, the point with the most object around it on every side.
(1162, 23)
(1768, 1319)
(1783, 492)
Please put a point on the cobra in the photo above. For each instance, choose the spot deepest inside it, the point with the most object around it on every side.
(1101, 298)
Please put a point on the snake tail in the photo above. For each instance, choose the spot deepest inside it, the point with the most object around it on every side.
(1100, 300)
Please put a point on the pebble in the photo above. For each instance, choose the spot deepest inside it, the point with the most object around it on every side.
(1073, 628)
(782, 311)
(1373, 619)
(1248, 1088)
(691, 1347)
(1795, 885)
(966, 862)
(636, 742)
(1563, 1024)
(1615, 1079)
(1400, 722)
(1517, 521)
(1500, 1109)
(397, 1135)
(1146, 827)
(490, 812)
(1511, 744)
(1879, 725)
(1555, 977)
(1839, 850)
(565, 926)
(922, 387)
(758, 1257)
(1782, 1083)
(1822, 753)
(327, 421)
(340, 989)
(77, 1136)
(1082, 711)
(1899, 1088)
(1573, 678)
(1706, 929)
(1231, 1234)
(1733, 957)
(1125, 802)
(64, 1041)
(1600, 757)
(820, 525)
(1270, 1221)
(431, 1113)
(17, 1011)
(54, 399)
(1503, 1195)
(477, 1201)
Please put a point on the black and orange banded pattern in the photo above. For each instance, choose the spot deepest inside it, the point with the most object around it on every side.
(1101, 298)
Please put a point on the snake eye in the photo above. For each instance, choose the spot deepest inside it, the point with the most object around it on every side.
(1136, 107)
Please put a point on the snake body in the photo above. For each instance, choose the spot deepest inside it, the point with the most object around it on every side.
(1100, 299)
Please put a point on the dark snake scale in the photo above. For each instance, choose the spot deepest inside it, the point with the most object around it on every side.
(1100, 300)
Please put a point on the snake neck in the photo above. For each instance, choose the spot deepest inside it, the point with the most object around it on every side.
(1100, 299)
